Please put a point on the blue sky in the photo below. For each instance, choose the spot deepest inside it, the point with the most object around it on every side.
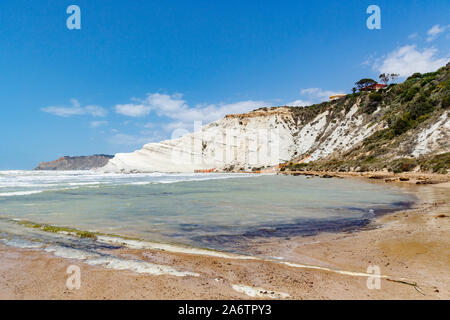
(138, 70)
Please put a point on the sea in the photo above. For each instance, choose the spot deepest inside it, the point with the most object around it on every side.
(214, 212)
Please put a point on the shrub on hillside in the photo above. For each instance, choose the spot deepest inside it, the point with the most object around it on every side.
(409, 94)
(403, 165)
(446, 102)
(416, 75)
(401, 125)
(372, 105)
(298, 166)
(375, 96)
(438, 164)
(420, 108)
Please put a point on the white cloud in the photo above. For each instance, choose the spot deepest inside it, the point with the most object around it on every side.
(435, 31)
(95, 124)
(75, 110)
(175, 125)
(63, 111)
(96, 111)
(184, 116)
(413, 36)
(132, 110)
(310, 96)
(317, 94)
(165, 104)
(132, 140)
(408, 59)
(299, 103)
(369, 59)
(175, 108)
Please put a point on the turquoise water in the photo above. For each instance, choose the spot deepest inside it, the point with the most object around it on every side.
(218, 211)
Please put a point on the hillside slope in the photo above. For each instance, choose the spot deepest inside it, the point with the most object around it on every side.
(361, 131)
(412, 128)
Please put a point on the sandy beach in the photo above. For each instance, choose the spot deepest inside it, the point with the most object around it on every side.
(411, 248)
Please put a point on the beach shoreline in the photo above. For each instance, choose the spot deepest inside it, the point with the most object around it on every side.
(410, 244)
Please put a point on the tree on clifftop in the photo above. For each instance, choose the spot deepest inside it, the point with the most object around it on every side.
(386, 77)
(364, 83)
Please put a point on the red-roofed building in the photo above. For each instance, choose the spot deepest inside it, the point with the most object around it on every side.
(374, 87)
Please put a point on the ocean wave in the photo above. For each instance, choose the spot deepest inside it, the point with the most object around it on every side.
(30, 192)
(140, 244)
(19, 183)
(21, 243)
(95, 257)
(70, 253)
(140, 183)
(138, 267)
(20, 193)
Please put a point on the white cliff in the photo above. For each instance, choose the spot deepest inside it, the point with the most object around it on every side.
(433, 137)
(267, 138)
(239, 141)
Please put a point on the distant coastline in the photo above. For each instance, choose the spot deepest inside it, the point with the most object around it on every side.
(76, 163)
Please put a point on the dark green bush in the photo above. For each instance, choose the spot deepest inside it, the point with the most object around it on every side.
(298, 166)
(375, 96)
(403, 165)
(402, 125)
(439, 163)
(416, 75)
(446, 102)
(420, 108)
(409, 94)
(370, 107)
(370, 159)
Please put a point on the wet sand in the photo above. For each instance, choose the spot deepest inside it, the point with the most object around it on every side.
(410, 246)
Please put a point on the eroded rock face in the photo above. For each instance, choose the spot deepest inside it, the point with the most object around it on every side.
(268, 137)
(235, 142)
(245, 141)
(76, 163)
(433, 137)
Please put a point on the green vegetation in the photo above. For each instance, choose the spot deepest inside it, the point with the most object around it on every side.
(69, 231)
(409, 94)
(415, 76)
(374, 100)
(446, 102)
(306, 114)
(403, 165)
(437, 164)
(375, 96)
(55, 229)
(404, 110)
(298, 166)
